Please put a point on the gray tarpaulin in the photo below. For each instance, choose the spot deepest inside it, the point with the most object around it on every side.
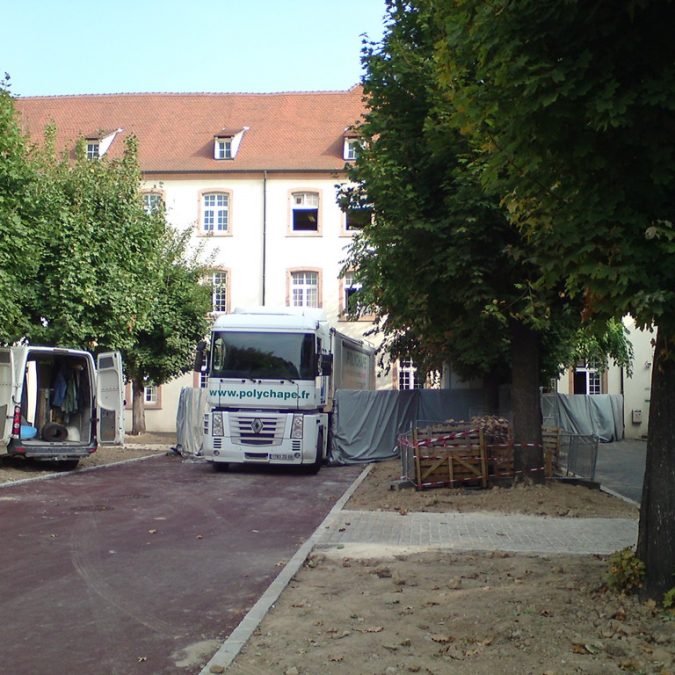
(599, 415)
(367, 424)
(189, 420)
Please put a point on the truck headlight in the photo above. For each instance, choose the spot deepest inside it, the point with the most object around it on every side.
(296, 429)
(217, 424)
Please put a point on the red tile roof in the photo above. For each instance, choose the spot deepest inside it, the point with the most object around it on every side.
(293, 131)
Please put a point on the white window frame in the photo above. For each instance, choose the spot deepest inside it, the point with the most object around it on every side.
(351, 149)
(349, 287)
(223, 148)
(304, 288)
(215, 213)
(93, 149)
(301, 201)
(151, 394)
(152, 201)
(219, 291)
(407, 375)
(593, 378)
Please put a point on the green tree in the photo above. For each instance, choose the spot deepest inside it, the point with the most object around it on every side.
(447, 275)
(164, 348)
(98, 257)
(571, 105)
(18, 254)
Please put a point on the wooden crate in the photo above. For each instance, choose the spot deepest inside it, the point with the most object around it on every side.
(456, 461)
(500, 460)
(550, 438)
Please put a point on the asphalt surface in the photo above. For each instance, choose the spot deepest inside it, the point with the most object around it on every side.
(621, 467)
(146, 567)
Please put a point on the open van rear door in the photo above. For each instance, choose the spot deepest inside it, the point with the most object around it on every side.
(109, 397)
(6, 391)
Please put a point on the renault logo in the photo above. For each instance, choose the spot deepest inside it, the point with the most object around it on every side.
(257, 425)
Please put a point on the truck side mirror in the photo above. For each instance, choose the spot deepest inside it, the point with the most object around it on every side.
(326, 363)
(200, 356)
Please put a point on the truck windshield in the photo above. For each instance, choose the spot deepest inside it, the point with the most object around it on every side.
(275, 356)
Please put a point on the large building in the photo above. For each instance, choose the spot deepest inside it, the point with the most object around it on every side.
(255, 178)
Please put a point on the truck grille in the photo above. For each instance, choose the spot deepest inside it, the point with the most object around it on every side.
(254, 430)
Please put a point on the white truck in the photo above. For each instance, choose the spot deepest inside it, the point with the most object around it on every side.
(57, 404)
(272, 375)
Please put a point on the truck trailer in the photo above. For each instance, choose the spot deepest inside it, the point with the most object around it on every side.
(272, 377)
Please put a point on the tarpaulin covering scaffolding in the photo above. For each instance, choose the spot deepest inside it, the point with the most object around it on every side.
(599, 415)
(367, 424)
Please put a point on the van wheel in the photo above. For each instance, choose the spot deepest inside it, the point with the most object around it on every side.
(220, 467)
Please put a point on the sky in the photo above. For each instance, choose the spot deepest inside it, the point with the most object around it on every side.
(57, 47)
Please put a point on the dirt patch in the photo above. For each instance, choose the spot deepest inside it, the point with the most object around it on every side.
(447, 612)
(550, 499)
(13, 469)
(457, 613)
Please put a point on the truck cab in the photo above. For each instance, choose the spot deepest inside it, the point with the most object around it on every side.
(270, 387)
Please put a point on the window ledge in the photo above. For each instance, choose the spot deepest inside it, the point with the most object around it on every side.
(209, 235)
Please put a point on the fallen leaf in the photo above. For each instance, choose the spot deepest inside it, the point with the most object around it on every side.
(443, 639)
(335, 659)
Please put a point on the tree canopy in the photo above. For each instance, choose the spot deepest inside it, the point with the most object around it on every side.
(448, 276)
(84, 265)
(98, 255)
(569, 105)
(164, 348)
(19, 256)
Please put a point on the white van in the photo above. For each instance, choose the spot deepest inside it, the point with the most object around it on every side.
(55, 404)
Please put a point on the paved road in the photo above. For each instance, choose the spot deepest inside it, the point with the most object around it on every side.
(145, 567)
(621, 467)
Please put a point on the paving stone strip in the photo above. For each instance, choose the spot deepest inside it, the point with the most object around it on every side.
(479, 532)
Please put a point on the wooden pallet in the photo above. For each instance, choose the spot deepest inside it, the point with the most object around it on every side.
(550, 438)
(500, 459)
(452, 461)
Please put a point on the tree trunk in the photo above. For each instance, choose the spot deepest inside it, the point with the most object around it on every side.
(138, 407)
(656, 539)
(525, 401)
(491, 384)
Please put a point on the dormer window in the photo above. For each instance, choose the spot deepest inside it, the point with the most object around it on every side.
(226, 142)
(223, 148)
(98, 143)
(352, 147)
(93, 150)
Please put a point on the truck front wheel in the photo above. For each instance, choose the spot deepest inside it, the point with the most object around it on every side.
(315, 466)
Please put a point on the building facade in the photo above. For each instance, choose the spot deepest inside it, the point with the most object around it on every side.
(254, 177)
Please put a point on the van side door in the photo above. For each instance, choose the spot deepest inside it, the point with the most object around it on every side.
(110, 398)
